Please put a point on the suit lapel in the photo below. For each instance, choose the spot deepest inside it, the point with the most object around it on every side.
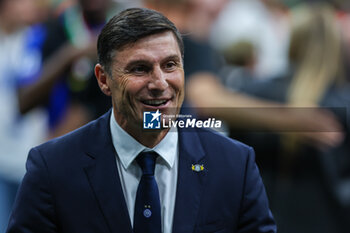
(103, 177)
(190, 183)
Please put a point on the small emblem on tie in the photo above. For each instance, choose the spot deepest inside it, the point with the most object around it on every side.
(147, 213)
(197, 167)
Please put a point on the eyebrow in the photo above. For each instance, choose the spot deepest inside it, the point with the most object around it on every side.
(172, 57)
(148, 63)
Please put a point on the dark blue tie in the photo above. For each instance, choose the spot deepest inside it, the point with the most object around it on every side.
(147, 204)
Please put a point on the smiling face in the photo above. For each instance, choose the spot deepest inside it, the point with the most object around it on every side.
(146, 75)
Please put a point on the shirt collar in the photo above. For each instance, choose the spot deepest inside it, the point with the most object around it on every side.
(128, 148)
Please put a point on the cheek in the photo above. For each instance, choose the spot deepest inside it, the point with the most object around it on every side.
(177, 81)
(121, 85)
(129, 87)
(181, 86)
(118, 87)
(122, 81)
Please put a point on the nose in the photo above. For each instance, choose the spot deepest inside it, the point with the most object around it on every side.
(158, 80)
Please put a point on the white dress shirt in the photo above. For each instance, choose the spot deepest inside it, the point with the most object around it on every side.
(130, 173)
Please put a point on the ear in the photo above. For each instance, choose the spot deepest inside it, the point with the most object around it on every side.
(102, 79)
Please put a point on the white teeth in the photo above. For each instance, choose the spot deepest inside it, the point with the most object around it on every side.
(155, 102)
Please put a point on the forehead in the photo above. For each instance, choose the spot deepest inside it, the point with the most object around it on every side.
(152, 48)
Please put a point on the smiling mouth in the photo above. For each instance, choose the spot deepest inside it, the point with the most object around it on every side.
(155, 103)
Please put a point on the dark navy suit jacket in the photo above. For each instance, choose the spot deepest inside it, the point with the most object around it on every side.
(72, 186)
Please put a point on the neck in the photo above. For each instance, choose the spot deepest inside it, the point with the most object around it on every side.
(150, 138)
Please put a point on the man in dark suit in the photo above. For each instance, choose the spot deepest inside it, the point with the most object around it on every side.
(114, 176)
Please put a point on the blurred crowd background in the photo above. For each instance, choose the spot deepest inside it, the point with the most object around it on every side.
(276, 72)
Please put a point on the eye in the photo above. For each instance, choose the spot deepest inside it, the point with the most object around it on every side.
(170, 65)
(140, 69)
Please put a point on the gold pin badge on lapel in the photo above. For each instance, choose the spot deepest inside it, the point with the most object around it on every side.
(197, 167)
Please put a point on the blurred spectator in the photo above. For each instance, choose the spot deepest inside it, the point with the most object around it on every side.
(264, 24)
(18, 133)
(299, 197)
(66, 83)
(240, 63)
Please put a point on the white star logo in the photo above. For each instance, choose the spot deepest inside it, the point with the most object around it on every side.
(155, 115)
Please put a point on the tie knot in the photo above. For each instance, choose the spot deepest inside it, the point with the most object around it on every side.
(147, 161)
